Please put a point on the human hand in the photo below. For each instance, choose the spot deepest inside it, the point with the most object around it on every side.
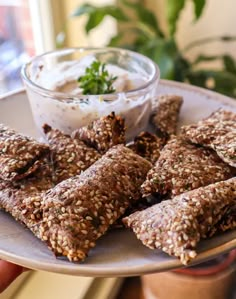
(8, 273)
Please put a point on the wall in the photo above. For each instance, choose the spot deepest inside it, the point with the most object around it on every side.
(218, 19)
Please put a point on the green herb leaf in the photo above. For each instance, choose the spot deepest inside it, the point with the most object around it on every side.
(96, 79)
(198, 8)
(173, 9)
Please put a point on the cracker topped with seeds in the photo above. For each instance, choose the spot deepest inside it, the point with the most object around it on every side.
(85, 183)
(217, 132)
(15, 201)
(69, 156)
(182, 167)
(22, 198)
(148, 146)
(79, 210)
(227, 222)
(20, 155)
(165, 114)
(71, 216)
(176, 226)
(103, 133)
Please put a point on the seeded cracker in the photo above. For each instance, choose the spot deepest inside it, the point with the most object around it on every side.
(177, 225)
(22, 198)
(70, 156)
(79, 210)
(227, 222)
(19, 155)
(103, 133)
(218, 132)
(148, 146)
(165, 113)
(183, 167)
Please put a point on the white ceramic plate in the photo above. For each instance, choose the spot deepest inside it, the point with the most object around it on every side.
(118, 253)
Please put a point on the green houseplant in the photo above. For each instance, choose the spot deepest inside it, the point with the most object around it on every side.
(149, 39)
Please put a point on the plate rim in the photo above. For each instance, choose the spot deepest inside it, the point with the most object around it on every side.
(102, 271)
(92, 271)
(186, 86)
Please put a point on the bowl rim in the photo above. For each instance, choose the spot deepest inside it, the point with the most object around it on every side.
(106, 97)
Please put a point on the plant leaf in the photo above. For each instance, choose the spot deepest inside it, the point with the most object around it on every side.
(228, 61)
(145, 16)
(228, 38)
(198, 8)
(224, 82)
(94, 19)
(182, 66)
(116, 40)
(207, 40)
(163, 52)
(96, 14)
(173, 9)
(206, 58)
(229, 64)
(146, 30)
(115, 11)
(85, 8)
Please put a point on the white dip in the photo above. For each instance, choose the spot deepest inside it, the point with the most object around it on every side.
(68, 115)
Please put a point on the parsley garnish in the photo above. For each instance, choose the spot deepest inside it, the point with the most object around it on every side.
(96, 79)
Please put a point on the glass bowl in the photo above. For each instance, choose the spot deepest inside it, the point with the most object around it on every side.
(56, 99)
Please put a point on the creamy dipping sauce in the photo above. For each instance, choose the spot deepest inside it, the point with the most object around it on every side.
(63, 77)
(68, 115)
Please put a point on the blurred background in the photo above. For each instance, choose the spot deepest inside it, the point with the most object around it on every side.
(192, 40)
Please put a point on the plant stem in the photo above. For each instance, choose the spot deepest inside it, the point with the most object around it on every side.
(206, 40)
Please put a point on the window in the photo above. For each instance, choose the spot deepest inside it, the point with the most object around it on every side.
(26, 29)
(16, 42)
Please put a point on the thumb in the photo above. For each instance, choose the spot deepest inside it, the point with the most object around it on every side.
(8, 273)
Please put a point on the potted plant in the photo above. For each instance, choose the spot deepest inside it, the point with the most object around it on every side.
(149, 39)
